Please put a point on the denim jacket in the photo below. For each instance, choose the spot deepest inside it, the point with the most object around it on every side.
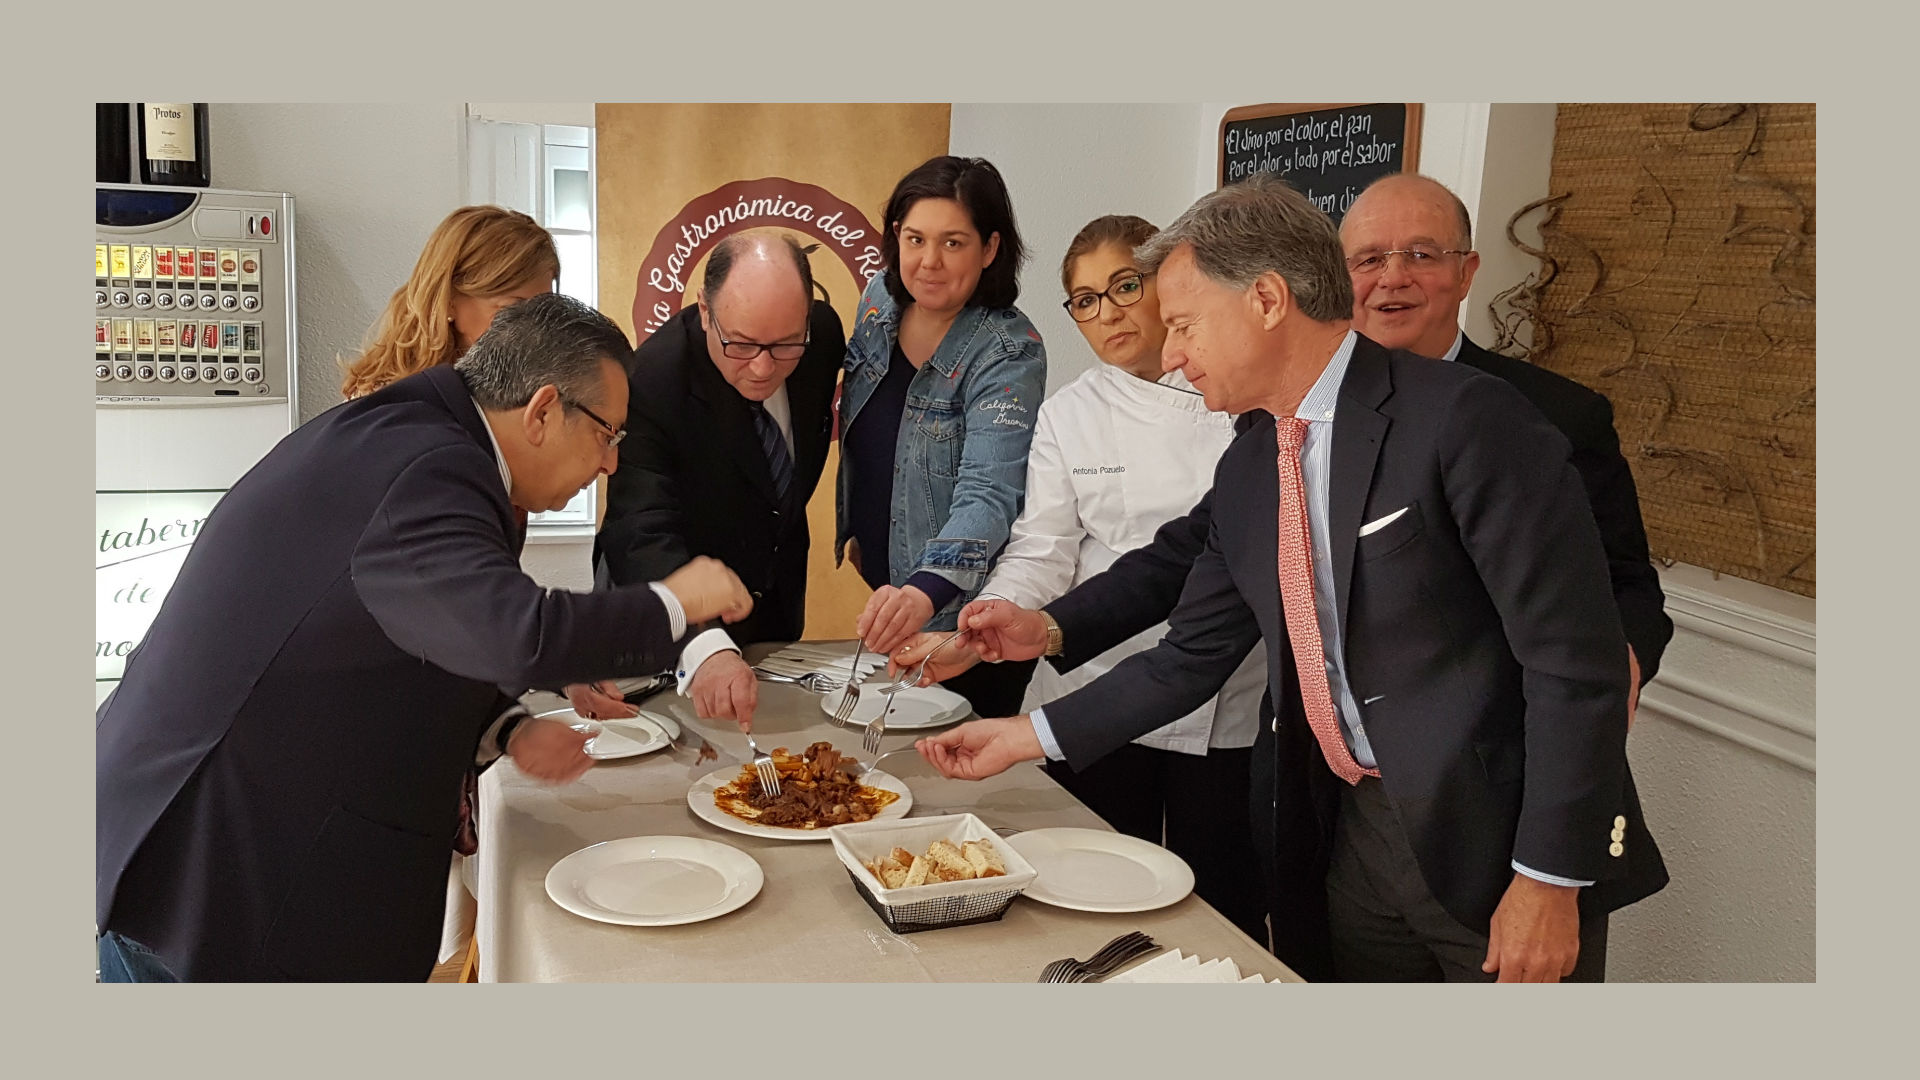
(960, 467)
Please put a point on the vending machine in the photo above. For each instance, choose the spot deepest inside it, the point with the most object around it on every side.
(195, 366)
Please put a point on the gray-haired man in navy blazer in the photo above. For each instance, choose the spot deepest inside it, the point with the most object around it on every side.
(1413, 545)
(278, 774)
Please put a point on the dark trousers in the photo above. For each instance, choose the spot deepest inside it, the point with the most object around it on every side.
(994, 689)
(1386, 925)
(1194, 805)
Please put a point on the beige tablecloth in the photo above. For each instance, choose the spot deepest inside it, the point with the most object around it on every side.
(808, 923)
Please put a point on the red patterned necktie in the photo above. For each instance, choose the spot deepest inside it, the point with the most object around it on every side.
(1296, 596)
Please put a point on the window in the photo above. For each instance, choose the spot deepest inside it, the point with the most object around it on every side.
(546, 172)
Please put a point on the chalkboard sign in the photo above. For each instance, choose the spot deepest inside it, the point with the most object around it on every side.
(1330, 153)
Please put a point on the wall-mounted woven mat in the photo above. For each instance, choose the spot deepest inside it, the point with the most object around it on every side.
(1677, 278)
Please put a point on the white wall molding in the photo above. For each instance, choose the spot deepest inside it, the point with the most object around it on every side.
(1733, 638)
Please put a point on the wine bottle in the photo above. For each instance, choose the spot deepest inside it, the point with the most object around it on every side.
(112, 142)
(173, 144)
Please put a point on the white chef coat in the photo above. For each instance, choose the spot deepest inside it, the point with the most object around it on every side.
(1115, 457)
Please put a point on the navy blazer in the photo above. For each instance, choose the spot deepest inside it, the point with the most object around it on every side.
(694, 479)
(1480, 623)
(277, 776)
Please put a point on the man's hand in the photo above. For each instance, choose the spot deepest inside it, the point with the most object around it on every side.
(1535, 935)
(549, 750)
(982, 748)
(1633, 685)
(599, 701)
(1001, 630)
(892, 616)
(707, 590)
(724, 689)
(952, 660)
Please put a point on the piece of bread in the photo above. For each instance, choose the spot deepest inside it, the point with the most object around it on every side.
(902, 856)
(917, 873)
(948, 863)
(894, 877)
(985, 861)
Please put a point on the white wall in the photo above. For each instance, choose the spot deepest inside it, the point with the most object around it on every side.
(1723, 752)
(369, 183)
(1066, 165)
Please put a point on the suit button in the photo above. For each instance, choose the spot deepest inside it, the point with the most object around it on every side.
(1616, 849)
(756, 594)
(1619, 835)
(1275, 724)
(1620, 821)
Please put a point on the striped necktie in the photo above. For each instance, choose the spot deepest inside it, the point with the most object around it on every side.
(774, 445)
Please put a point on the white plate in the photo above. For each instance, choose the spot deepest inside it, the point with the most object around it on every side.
(655, 880)
(621, 738)
(700, 801)
(913, 708)
(1095, 870)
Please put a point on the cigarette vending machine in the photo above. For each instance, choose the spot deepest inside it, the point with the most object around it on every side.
(195, 378)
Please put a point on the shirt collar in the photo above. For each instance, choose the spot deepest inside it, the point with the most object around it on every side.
(1318, 405)
(506, 475)
(1459, 337)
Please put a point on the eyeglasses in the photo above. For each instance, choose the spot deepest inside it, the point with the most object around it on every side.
(1419, 257)
(1085, 307)
(747, 350)
(614, 434)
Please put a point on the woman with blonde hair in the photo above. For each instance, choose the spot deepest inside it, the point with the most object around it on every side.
(479, 260)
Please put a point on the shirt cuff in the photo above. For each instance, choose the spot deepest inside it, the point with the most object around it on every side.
(698, 651)
(1045, 733)
(491, 744)
(676, 615)
(1549, 878)
(938, 589)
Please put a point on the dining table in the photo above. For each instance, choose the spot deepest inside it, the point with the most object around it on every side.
(808, 922)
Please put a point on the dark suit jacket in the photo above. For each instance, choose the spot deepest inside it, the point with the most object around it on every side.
(277, 776)
(1479, 623)
(1141, 587)
(1586, 419)
(693, 479)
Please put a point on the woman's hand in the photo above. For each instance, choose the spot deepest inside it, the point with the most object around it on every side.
(550, 751)
(950, 661)
(892, 616)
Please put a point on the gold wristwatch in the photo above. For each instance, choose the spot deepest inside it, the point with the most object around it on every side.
(1054, 636)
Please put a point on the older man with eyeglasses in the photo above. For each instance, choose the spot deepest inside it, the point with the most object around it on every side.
(731, 416)
(1409, 246)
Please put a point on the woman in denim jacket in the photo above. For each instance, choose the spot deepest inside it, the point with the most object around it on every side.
(943, 381)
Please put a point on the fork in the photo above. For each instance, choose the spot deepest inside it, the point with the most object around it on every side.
(876, 727)
(1105, 962)
(904, 680)
(818, 682)
(763, 767)
(851, 697)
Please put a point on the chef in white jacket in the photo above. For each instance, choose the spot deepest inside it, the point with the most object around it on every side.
(1116, 453)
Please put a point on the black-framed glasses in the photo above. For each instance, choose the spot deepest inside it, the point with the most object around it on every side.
(1085, 307)
(1419, 257)
(614, 434)
(747, 350)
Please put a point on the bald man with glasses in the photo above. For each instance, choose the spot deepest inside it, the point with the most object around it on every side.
(731, 416)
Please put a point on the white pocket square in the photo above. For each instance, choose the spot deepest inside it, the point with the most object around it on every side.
(1377, 524)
